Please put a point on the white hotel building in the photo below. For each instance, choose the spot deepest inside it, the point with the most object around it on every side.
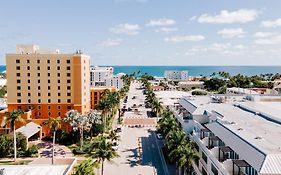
(103, 76)
(173, 75)
(233, 136)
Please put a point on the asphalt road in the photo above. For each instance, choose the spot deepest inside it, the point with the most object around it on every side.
(138, 150)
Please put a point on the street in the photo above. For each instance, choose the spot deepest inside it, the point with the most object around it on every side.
(138, 149)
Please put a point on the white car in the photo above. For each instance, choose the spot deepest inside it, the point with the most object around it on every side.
(159, 136)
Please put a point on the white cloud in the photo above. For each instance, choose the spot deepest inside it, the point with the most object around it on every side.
(193, 18)
(185, 38)
(239, 16)
(129, 29)
(272, 23)
(167, 29)
(269, 41)
(264, 34)
(161, 22)
(232, 32)
(111, 42)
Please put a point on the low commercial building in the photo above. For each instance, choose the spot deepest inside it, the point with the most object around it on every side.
(97, 92)
(175, 75)
(241, 91)
(233, 135)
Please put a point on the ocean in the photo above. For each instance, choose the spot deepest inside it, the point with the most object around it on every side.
(199, 70)
(194, 70)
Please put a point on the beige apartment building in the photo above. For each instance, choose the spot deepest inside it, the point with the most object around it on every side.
(46, 83)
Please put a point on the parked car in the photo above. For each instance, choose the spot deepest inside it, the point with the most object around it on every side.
(119, 129)
(115, 146)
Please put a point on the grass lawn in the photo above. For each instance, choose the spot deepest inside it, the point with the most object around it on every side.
(21, 162)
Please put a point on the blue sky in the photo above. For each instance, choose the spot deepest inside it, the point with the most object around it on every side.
(148, 32)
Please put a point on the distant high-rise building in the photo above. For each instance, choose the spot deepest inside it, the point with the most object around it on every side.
(103, 76)
(46, 83)
(172, 75)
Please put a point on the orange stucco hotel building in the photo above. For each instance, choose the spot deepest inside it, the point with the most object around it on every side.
(47, 84)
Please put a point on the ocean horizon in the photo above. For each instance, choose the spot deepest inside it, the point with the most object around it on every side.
(193, 70)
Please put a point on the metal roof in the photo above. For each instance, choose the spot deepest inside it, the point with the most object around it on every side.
(29, 129)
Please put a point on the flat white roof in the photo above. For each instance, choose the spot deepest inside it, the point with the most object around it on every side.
(171, 94)
(34, 169)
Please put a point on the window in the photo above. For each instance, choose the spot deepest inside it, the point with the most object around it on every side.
(48, 61)
(59, 94)
(49, 81)
(28, 87)
(58, 68)
(58, 61)
(68, 88)
(19, 100)
(28, 61)
(214, 170)
(204, 157)
(58, 74)
(18, 81)
(68, 94)
(68, 68)
(38, 61)
(49, 94)
(28, 67)
(29, 94)
(59, 100)
(58, 81)
(18, 67)
(18, 74)
(38, 67)
(28, 74)
(18, 94)
(17, 61)
(68, 74)
(38, 87)
(59, 114)
(49, 87)
(68, 100)
(38, 81)
(49, 107)
(39, 107)
(68, 81)
(38, 74)
(58, 87)
(68, 61)
(59, 107)
(49, 114)
(48, 67)
(28, 81)
(39, 100)
(29, 101)
(39, 94)
(19, 107)
(49, 100)
(68, 107)
(49, 74)
(18, 88)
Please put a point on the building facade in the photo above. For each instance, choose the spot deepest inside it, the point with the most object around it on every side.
(47, 84)
(96, 94)
(103, 76)
(234, 136)
(174, 75)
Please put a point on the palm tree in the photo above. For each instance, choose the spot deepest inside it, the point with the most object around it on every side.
(157, 108)
(54, 124)
(86, 167)
(167, 123)
(102, 150)
(183, 155)
(78, 122)
(94, 119)
(12, 118)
